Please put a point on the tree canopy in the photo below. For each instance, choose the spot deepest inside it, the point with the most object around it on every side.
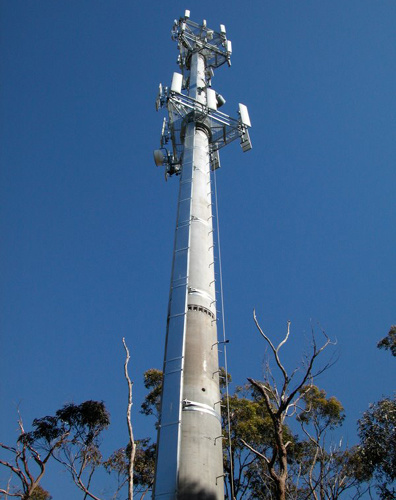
(389, 342)
(377, 432)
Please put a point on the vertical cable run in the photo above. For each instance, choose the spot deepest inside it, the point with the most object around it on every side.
(224, 337)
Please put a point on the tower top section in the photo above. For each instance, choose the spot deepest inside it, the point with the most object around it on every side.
(191, 98)
(192, 37)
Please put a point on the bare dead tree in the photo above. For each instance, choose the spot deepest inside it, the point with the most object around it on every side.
(132, 446)
(283, 402)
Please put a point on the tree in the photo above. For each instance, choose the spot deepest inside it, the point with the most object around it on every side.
(27, 465)
(389, 342)
(40, 494)
(326, 469)
(317, 468)
(72, 439)
(318, 415)
(77, 455)
(283, 402)
(152, 402)
(145, 449)
(247, 422)
(131, 448)
(144, 466)
(377, 432)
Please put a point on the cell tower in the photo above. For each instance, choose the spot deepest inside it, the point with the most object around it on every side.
(189, 457)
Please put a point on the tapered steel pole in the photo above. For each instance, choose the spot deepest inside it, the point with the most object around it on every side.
(189, 461)
(201, 460)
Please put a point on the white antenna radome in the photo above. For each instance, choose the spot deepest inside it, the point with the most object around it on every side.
(211, 99)
(244, 114)
(177, 82)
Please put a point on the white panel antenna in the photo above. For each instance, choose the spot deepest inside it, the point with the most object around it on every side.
(244, 114)
(177, 82)
(211, 99)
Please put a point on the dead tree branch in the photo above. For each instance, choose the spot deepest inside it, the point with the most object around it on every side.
(132, 445)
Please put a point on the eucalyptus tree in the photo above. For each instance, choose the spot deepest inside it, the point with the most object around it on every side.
(377, 432)
(70, 437)
(282, 396)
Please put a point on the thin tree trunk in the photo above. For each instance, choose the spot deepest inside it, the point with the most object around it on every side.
(282, 460)
(130, 430)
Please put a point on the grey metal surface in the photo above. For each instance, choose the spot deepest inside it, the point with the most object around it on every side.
(189, 447)
(170, 422)
(187, 456)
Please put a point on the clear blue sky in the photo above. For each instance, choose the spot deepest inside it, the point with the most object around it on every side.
(307, 217)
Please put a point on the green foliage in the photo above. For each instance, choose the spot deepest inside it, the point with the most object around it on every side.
(71, 437)
(319, 410)
(117, 462)
(40, 494)
(250, 423)
(389, 342)
(249, 419)
(152, 402)
(46, 429)
(84, 422)
(144, 465)
(377, 451)
(376, 456)
(145, 455)
(326, 470)
(90, 415)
